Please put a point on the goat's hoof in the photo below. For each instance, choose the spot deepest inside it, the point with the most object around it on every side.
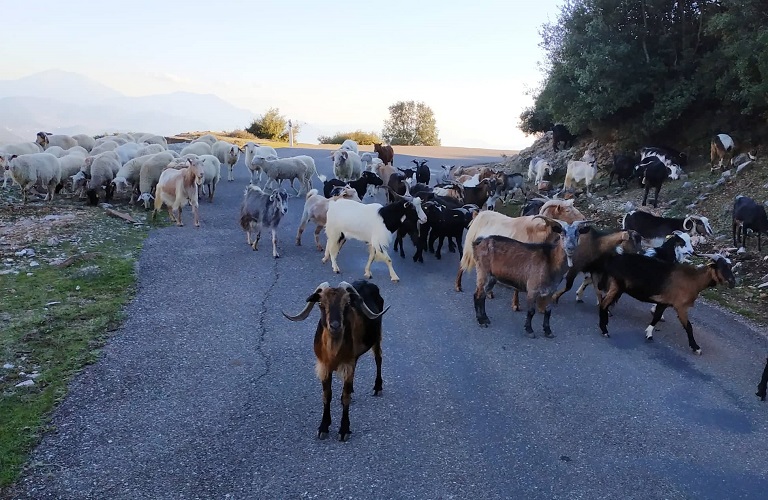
(321, 249)
(277, 256)
(578, 301)
(322, 434)
(530, 334)
(549, 334)
(697, 350)
(484, 322)
(606, 335)
(760, 395)
(344, 436)
(649, 339)
(395, 280)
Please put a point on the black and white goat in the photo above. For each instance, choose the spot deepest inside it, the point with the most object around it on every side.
(672, 158)
(652, 173)
(422, 171)
(656, 229)
(662, 283)
(623, 169)
(371, 223)
(748, 215)
(360, 185)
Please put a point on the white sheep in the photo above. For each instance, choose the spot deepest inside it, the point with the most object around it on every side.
(150, 149)
(129, 175)
(98, 172)
(32, 169)
(350, 145)
(207, 138)
(127, 152)
(280, 169)
(252, 150)
(47, 140)
(119, 141)
(150, 173)
(347, 165)
(56, 151)
(196, 148)
(70, 165)
(77, 150)
(368, 160)
(154, 139)
(104, 146)
(21, 148)
(211, 174)
(85, 141)
(228, 154)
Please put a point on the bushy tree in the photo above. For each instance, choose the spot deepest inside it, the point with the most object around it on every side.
(358, 136)
(411, 123)
(271, 125)
(646, 68)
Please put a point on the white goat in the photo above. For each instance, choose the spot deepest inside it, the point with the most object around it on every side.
(537, 168)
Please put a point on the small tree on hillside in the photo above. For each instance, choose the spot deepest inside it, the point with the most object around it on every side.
(411, 123)
(271, 125)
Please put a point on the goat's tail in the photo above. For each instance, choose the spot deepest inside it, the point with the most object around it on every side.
(321, 177)
(468, 257)
(311, 192)
(245, 221)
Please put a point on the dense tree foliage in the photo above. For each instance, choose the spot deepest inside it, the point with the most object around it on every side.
(358, 136)
(645, 68)
(411, 123)
(272, 125)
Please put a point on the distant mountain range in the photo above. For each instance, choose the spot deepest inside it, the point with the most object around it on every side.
(68, 103)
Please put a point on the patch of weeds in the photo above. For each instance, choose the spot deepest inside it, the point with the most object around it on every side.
(54, 323)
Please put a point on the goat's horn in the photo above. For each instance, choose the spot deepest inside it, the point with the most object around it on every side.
(363, 306)
(310, 304)
(549, 220)
(688, 219)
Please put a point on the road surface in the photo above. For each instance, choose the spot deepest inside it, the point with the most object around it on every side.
(208, 392)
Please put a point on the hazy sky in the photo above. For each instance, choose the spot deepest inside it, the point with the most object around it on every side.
(337, 65)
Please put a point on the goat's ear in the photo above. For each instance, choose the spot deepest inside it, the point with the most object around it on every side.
(583, 229)
(315, 297)
(556, 228)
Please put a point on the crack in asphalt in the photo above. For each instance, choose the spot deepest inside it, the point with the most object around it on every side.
(262, 324)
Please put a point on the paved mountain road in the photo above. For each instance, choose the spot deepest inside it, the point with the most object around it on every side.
(208, 392)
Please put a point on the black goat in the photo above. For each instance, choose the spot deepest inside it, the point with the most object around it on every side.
(409, 173)
(652, 173)
(763, 385)
(422, 171)
(560, 133)
(656, 229)
(747, 214)
(349, 326)
(623, 169)
(444, 222)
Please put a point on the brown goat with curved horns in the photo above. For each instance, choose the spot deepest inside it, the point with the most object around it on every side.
(349, 325)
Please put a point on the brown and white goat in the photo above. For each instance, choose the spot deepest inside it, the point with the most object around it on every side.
(662, 283)
(594, 246)
(527, 229)
(316, 210)
(536, 268)
(349, 326)
(176, 188)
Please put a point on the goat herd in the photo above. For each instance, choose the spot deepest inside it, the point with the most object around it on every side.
(551, 239)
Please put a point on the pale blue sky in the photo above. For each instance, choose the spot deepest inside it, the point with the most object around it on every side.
(334, 64)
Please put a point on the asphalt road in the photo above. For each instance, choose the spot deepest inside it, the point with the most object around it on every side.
(208, 392)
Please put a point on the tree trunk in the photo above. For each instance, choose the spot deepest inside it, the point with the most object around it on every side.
(645, 33)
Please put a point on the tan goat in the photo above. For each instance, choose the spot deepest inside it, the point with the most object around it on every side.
(316, 210)
(176, 188)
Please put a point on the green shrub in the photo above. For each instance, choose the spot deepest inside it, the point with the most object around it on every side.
(358, 136)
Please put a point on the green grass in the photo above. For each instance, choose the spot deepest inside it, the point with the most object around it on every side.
(60, 339)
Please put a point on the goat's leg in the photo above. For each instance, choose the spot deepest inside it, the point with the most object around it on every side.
(682, 313)
(458, 244)
(647, 189)
(346, 398)
(484, 283)
(383, 255)
(653, 311)
(515, 300)
(325, 423)
(656, 197)
(569, 278)
(231, 177)
(302, 225)
(274, 244)
(545, 307)
(332, 248)
(610, 298)
(318, 230)
(459, 274)
(196, 214)
(378, 385)
(255, 245)
(451, 244)
(531, 305)
(432, 238)
(763, 385)
(440, 241)
(658, 312)
(584, 284)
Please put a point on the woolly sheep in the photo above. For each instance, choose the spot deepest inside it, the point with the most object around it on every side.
(35, 168)
(350, 145)
(61, 140)
(211, 174)
(197, 148)
(85, 141)
(127, 152)
(119, 141)
(228, 154)
(70, 165)
(129, 174)
(253, 150)
(150, 149)
(21, 148)
(77, 150)
(150, 173)
(56, 151)
(347, 165)
(98, 172)
(207, 138)
(104, 146)
(280, 169)
(154, 139)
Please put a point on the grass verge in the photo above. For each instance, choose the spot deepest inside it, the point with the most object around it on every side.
(55, 317)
